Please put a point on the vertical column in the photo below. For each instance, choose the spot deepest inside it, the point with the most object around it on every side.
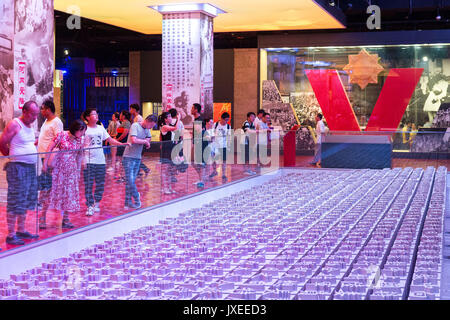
(245, 84)
(135, 77)
(187, 57)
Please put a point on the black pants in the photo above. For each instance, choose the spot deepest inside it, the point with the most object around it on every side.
(94, 172)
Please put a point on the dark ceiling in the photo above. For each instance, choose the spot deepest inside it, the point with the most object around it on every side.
(110, 45)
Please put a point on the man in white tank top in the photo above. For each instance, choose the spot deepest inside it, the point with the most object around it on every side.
(18, 142)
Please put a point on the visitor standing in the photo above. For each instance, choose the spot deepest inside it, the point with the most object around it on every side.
(66, 171)
(18, 142)
(259, 117)
(136, 117)
(263, 131)
(122, 133)
(177, 135)
(134, 112)
(405, 135)
(123, 129)
(199, 128)
(51, 127)
(112, 131)
(222, 134)
(210, 139)
(95, 162)
(138, 137)
(249, 129)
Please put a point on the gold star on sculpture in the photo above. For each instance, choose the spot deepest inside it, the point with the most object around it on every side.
(363, 68)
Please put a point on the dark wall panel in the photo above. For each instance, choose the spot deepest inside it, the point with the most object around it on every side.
(151, 77)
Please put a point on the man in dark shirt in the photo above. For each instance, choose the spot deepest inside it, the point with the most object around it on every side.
(199, 129)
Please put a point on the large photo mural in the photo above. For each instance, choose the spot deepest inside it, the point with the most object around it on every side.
(33, 51)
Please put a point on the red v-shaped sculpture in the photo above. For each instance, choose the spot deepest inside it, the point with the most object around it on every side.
(389, 109)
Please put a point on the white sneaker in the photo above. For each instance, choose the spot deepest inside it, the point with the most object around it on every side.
(90, 211)
(97, 207)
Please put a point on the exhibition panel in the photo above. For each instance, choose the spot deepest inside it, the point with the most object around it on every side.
(359, 88)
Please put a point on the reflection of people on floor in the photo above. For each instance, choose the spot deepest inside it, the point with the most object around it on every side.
(18, 142)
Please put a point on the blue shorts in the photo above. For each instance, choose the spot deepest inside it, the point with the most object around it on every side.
(22, 187)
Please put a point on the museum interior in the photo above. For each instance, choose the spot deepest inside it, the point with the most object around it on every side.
(225, 150)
